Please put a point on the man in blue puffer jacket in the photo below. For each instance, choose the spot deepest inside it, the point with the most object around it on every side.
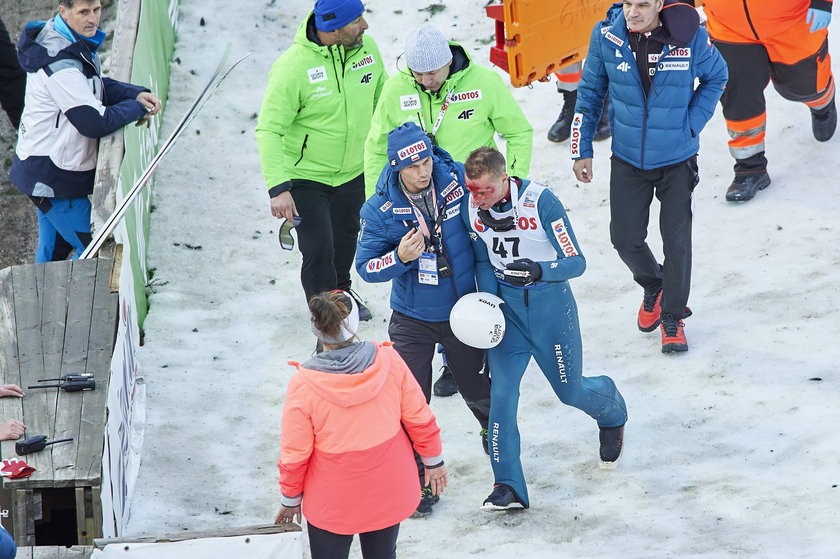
(647, 53)
(412, 235)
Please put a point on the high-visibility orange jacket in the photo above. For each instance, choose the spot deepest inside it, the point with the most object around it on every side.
(343, 446)
(739, 21)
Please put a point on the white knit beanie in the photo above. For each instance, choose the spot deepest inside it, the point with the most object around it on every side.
(427, 49)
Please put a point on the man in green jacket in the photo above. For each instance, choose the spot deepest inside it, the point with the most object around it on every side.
(314, 119)
(479, 105)
(461, 105)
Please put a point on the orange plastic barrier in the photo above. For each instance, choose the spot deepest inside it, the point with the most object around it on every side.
(535, 38)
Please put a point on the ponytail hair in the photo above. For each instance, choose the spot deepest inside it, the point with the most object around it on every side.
(334, 317)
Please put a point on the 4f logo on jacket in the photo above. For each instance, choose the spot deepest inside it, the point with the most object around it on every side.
(466, 114)
(624, 66)
(366, 78)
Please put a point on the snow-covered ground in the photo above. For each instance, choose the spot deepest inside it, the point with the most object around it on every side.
(731, 449)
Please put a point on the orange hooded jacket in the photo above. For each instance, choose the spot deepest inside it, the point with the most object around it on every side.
(344, 448)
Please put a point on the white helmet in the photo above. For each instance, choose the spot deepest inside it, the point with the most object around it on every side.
(477, 320)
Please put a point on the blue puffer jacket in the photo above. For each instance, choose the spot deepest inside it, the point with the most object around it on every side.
(662, 128)
(387, 216)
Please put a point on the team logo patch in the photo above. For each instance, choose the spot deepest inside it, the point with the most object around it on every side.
(452, 212)
(679, 52)
(574, 142)
(412, 152)
(561, 233)
(462, 96)
(384, 207)
(449, 188)
(529, 200)
(674, 65)
(613, 39)
(653, 57)
(401, 211)
(318, 74)
(409, 102)
(366, 61)
(379, 264)
(456, 194)
(478, 225)
(605, 29)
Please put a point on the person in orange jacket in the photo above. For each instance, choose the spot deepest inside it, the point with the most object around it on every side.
(783, 41)
(345, 452)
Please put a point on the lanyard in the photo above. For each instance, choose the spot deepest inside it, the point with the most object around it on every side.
(421, 219)
(441, 113)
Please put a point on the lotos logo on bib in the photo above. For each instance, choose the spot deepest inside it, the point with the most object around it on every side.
(478, 225)
(412, 152)
(366, 61)
(318, 74)
(466, 96)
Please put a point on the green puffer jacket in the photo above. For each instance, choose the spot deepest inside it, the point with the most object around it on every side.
(483, 105)
(317, 111)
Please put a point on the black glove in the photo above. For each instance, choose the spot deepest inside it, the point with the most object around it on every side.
(523, 272)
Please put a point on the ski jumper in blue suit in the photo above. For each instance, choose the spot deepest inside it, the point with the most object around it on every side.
(541, 320)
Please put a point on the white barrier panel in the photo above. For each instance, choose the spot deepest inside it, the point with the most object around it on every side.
(264, 546)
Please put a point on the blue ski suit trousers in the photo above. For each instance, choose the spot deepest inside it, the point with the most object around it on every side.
(541, 322)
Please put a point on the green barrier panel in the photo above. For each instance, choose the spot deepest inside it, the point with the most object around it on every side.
(152, 56)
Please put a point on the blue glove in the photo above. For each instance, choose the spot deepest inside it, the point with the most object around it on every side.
(819, 19)
(523, 272)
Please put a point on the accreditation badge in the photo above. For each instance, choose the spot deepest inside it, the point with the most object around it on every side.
(428, 269)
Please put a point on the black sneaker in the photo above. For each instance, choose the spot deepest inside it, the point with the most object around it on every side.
(484, 442)
(445, 385)
(427, 501)
(824, 122)
(612, 443)
(562, 127)
(364, 312)
(744, 187)
(503, 498)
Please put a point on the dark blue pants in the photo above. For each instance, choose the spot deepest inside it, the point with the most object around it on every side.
(380, 544)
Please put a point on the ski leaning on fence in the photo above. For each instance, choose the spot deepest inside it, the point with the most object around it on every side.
(122, 207)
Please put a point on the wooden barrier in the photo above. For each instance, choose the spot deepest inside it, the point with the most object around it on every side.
(57, 318)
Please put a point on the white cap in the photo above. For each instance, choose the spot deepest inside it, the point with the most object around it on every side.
(427, 49)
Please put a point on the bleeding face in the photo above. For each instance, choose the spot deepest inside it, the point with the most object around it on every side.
(488, 189)
(83, 17)
(642, 15)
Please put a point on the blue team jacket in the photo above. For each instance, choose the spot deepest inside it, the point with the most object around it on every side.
(387, 216)
(662, 128)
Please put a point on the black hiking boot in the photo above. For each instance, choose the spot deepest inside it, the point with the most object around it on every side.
(824, 122)
(745, 186)
(445, 385)
(562, 127)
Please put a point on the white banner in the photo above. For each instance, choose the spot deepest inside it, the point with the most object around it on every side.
(264, 546)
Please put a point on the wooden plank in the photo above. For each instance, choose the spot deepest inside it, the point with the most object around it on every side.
(38, 405)
(24, 511)
(100, 349)
(112, 147)
(53, 294)
(96, 502)
(194, 535)
(53, 552)
(68, 414)
(81, 531)
(9, 369)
